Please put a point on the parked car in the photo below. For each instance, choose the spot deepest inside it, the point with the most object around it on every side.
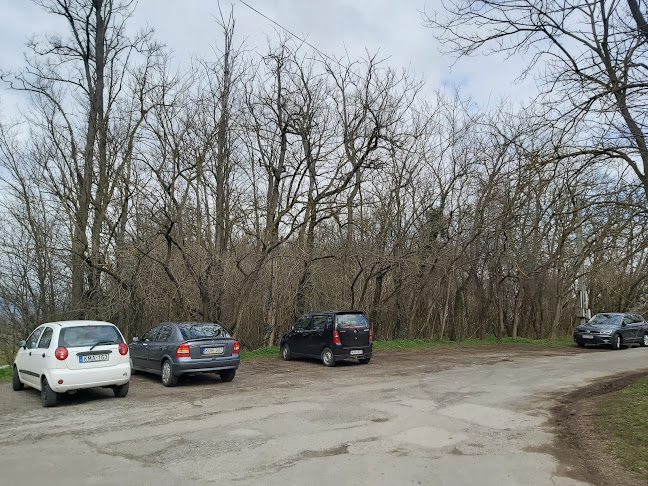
(615, 329)
(67, 356)
(171, 349)
(330, 336)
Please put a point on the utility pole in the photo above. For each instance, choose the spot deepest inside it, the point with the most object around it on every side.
(584, 313)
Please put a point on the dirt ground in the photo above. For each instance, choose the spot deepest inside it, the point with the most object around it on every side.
(582, 454)
(582, 449)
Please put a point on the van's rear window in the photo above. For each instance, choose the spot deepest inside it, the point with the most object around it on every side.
(352, 321)
(72, 337)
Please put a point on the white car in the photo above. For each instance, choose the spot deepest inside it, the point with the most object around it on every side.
(66, 356)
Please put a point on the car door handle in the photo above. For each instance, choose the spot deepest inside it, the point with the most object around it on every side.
(30, 353)
(43, 355)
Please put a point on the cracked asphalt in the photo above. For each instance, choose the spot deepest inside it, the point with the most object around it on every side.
(447, 416)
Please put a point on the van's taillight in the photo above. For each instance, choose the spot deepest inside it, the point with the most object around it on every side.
(370, 336)
(61, 353)
(123, 349)
(236, 347)
(336, 338)
(182, 351)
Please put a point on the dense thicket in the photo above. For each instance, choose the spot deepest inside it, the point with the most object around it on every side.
(258, 185)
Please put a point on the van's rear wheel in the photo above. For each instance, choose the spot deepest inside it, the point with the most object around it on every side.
(327, 357)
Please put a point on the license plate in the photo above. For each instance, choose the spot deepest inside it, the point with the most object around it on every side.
(587, 336)
(355, 351)
(91, 358)
(218, 350)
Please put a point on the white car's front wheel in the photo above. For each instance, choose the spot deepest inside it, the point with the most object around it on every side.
(15, 380)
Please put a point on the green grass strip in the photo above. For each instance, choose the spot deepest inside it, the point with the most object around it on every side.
(5, 374)
(624, 418)
(397, 344)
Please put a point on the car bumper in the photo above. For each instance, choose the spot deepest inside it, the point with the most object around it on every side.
(592, 339)
(354, 352)
(192, 365)
(90, 378)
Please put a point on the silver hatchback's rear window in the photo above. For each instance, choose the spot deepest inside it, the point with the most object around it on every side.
(203, 331)
(78, 336)
(351, 321)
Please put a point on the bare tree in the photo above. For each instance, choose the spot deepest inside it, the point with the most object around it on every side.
(594, 73)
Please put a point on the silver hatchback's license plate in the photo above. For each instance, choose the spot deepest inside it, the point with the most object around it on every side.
(355, 352)
(587, 336)
(91, 358)
(218, 350)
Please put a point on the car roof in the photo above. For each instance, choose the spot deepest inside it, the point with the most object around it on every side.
(333, 312)
(79, 322)
(189, 323)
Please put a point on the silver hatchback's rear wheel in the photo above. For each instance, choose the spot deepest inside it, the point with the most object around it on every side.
(168, 378)
(327, 357)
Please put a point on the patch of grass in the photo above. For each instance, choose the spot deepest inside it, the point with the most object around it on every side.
(624, 418)
(489, 341)
(5, 374)
(260, 353)
(396, 344)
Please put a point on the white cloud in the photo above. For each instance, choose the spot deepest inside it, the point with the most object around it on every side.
(394, 29)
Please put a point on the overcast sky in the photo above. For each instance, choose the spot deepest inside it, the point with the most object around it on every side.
(392, 27)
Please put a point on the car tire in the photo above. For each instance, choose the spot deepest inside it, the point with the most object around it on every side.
(227, 375)
(121, 391)
(15, 380)
(133, 370)
(168, 378)
(644, 340)
(327, 357)
(48, 396)
(364, 360)
(616, 342)
(581, 345)
(286, 354)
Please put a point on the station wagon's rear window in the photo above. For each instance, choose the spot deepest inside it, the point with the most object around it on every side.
(352, 321)
(203, 331)
(72, 337)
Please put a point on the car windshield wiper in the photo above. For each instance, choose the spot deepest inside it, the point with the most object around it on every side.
(102, 342)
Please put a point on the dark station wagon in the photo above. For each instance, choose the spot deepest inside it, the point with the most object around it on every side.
(330, 336)
(614, 329)
(172, 349)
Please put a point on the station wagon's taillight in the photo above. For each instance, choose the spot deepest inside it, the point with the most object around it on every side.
(336, 337)
(123, 349)
(236, 347)
(183, 351)
(370, 336)
(61, 353)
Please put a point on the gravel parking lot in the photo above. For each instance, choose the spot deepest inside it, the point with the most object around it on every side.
(451, 416)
